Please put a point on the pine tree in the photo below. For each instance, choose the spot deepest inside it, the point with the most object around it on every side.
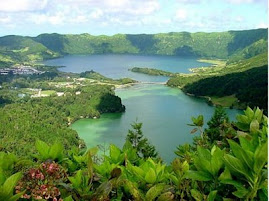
(140, 143)
(215, 125)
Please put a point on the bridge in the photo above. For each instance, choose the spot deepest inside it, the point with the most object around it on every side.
(161, 83)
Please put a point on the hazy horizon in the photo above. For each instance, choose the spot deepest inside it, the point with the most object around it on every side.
(129, 33)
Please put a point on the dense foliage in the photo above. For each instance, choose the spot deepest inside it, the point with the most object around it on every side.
(47, 118)
(151, 71)
(250, 87)
(229, 165)
(235, 44)
(246, 80)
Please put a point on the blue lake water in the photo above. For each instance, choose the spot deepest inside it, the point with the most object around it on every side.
(116, 66)
(164, 111)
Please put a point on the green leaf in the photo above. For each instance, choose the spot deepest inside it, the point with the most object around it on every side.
(241, 193)
(263, 194)
(154, 191)
(127, 145)
(56, 151)
(80, 159)
(212, 195)
(241, 190)
(137, 171)
(249, 113)
(43, 149)
(103, 190)
(199, 121)
(10, 183)
(204, 153)
(196, 195)
(202, 160)
(16, 197)
(69, 198)
(185, 166)
(226, 175)
(260, 157)
(242, 119)
(76, 180)
(254, 126)
(133, 190)
(216, 161)
(236, 166)
(150, 176)
(241, 154)
(2, 177)
(167, 196)
(198, 175)
(115, 153)
(258, 115)
(246, 144)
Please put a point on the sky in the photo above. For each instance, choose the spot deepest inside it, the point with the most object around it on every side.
(109, 17)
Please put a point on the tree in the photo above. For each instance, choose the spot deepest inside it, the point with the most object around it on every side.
(216, 125)
(140, 143)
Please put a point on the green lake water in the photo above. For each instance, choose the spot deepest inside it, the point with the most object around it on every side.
(164, 111)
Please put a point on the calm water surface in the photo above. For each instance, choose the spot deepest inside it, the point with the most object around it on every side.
(164, 111)
(116, 66)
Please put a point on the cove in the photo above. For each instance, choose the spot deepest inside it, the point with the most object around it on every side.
(164, 111)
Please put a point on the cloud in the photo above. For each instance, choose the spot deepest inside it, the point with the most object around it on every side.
(147, 16)
(181, 14)
(5, 20)
(55, 19)
(262, 25)
(189, 1)
(138, 7)
(22, 5)
(96, 14)
(79, 19)
(239, 19)
(246, 1)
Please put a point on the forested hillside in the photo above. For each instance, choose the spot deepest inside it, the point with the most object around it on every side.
(250, 87)
(47, 118)
(246, 81)
(232, 44)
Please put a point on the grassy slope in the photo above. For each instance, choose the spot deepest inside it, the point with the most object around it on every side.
(20, 49)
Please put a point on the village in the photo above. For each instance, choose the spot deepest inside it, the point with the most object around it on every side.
(20, 70)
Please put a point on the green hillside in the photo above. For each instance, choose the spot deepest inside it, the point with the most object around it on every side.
(246, 80)
(223, 45)
(258, 47)
(19, 48)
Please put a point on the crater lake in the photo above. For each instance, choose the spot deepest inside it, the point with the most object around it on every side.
(164, 111)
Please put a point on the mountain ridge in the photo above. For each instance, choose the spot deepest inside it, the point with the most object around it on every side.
(221, 45)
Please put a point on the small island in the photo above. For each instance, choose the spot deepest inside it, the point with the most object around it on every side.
(151, 71)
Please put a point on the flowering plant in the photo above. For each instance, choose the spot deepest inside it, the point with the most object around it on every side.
(41, 183)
